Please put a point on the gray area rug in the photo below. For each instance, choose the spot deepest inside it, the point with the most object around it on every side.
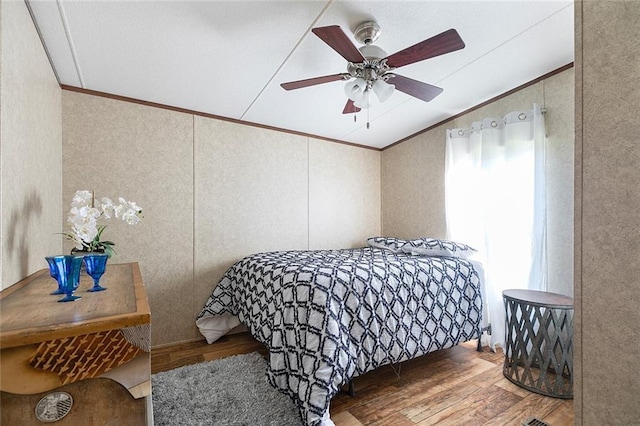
(227, 391)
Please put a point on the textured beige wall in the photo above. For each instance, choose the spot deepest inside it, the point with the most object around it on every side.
(145, 155)
(413, 187)
(212, 192)
(251, 196)
(558, 96)
(30, 148)
(413, 174)
(344, 195)
(607, 282)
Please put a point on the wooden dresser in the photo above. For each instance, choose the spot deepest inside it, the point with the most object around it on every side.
(96, 349)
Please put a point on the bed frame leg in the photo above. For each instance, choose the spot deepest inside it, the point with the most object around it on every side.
(352, 389)
(482, 330)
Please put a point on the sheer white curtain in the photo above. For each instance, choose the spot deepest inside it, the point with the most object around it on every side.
(496, 203)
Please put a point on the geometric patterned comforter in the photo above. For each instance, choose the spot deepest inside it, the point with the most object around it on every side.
(330, 315)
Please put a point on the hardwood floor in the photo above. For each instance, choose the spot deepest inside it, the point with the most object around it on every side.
(455, 386)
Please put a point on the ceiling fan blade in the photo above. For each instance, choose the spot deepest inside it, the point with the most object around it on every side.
(415, 88)
(350, 108)
(448, 41)
(338, 40)
(312, 81)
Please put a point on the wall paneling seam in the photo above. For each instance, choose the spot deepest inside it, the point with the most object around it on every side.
(193, 215)
(308, 194)
(578, 205)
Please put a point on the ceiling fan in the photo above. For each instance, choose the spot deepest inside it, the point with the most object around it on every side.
(372, 69)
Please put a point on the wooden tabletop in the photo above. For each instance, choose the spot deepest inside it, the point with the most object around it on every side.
(30, 314)
(540, 298)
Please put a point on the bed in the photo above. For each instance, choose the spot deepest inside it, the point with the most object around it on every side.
(328, 316)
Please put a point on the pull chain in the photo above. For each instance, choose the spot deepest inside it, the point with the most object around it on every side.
(367, 117)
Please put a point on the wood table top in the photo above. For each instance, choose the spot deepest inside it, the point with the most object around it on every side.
(30, 314)
(540, 298)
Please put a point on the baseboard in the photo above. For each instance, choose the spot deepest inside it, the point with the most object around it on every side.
(236, 330)
(180, 342)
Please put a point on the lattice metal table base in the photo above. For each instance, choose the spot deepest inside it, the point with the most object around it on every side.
(539, 342)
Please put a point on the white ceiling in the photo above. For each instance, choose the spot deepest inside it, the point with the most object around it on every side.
(228, 58)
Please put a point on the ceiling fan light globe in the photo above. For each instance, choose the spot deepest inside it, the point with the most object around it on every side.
(383, 90)
(355, 89)
(364, 101)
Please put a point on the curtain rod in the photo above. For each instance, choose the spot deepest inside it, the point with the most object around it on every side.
(522, 116)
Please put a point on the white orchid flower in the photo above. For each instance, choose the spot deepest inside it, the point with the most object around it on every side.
(84, 214)
(131, 217)
(81, 198)
(83, 219)
(107, 207)
(86, 232)
(132, 211)
(74, 213)
(133, 206)
(77, 241)
(92, 212)
(119, 210)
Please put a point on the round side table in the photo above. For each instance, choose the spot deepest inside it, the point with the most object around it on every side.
(539, 342)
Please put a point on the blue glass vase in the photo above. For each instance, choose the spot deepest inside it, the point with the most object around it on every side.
(53, 271)
(67, 269)
(96, 263)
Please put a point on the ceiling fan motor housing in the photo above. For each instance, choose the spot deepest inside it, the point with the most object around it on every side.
(367, 32)
(372, 68)
(372, 52)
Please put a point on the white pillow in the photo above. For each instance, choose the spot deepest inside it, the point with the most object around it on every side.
(436, 247)
(386, 243)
